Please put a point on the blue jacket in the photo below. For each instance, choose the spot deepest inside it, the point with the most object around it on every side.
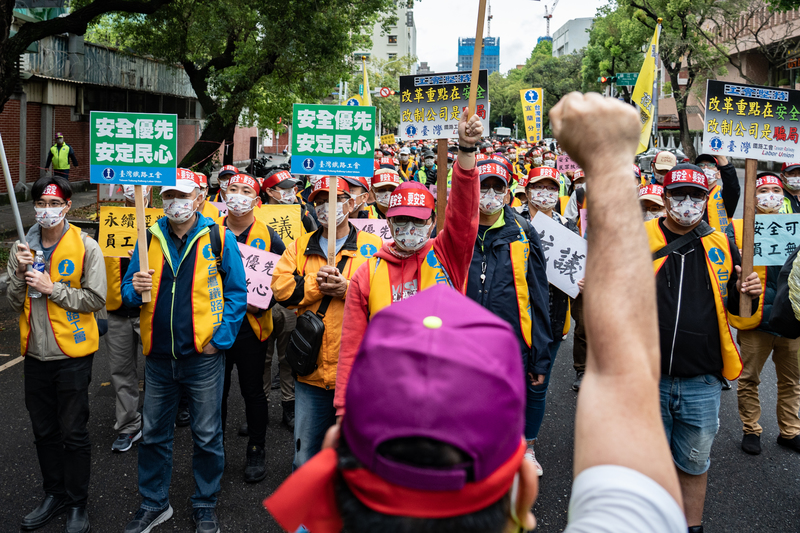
(234, 293)
(498, 292)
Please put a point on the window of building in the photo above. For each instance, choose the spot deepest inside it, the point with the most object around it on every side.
(392, 56)
(393, 39)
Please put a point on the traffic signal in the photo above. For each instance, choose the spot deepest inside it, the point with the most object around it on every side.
(604, 79)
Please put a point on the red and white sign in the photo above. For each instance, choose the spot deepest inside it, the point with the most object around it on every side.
(385, 91)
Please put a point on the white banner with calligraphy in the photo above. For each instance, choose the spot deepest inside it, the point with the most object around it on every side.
(564, 253)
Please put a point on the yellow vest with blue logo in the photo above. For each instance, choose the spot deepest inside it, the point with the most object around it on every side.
(717, 216)
(520, 250)
(204, 294)
(381, 292)
(75, 333)
(258, 237)
(60, 156)
(720, 267)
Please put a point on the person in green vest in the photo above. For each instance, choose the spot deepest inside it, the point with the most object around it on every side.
(60, 155)
(427, 173)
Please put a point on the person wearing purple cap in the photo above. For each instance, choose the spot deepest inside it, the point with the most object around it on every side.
(415, 261)
(697, 273)
(435, 444)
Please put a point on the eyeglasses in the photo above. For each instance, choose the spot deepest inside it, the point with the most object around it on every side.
(339, 200)
(405, 220)
(498, 189)
(680, 196)
(652, 209)
(42, 204)
(707, 164)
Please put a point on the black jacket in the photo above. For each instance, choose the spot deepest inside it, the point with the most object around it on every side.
(782, 319)
(731, 190)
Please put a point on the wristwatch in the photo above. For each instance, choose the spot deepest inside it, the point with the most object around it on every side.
(466, 149)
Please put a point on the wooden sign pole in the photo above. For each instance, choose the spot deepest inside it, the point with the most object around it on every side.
(441, 184)
(748, 235)
(333, 183)
(141, 228)
(476, 57)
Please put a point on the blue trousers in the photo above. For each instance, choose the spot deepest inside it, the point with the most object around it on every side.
(537, 397)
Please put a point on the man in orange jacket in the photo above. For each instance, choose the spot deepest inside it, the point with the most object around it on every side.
(414, 261)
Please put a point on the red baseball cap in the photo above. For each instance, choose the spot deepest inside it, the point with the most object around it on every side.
(245, 179)
(386, 176)
(282, 179)
(322, 184)
(542, 173)
(637, 172)
(653, 192)
(522, 179)
(578, 174)
(228, 169)
(686, 175)
(388, 162)
(767, 178)
(492, 168)
(357, 181)
(789, 166)
(411, 199)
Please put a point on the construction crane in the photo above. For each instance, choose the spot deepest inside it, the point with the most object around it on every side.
(548, 14)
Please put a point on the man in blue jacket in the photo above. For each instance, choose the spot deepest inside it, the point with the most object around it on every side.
(198, 301)
(508, 266)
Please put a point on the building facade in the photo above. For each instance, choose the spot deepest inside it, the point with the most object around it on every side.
(490, 56)
(572, 36)
(400, 40)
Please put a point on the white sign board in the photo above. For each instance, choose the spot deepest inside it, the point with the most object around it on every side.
(564, 253)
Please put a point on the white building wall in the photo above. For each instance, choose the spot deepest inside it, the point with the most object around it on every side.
(400, 40)
(572, 36)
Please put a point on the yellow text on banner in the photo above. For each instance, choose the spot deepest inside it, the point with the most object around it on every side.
(388, 139)
(118, 229)
(532, 103)
(284, 219)
(643, 92)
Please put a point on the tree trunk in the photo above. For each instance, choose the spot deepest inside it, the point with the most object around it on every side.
(215, 132)
(686, 137)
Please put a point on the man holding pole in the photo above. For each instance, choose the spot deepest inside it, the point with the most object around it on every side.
(199, 298)
(697, 274)
(59, 337)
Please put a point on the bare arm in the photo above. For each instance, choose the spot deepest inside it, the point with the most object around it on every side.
(618, 420)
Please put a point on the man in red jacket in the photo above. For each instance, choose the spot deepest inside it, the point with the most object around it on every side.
(414, 261)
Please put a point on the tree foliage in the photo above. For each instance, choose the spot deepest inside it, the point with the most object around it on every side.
(387, 74)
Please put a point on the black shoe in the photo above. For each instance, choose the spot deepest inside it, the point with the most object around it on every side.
(696, 529)
(751, 443)
(205, 519)
(576, 385)
(50, 507)
(255, 470)
(182, 420)
(276, 382)
(792, 444)
(144, 521)
(125, 441)
(243, 432)
(288, 414)
(77, 521)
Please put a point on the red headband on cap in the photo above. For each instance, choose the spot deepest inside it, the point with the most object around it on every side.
(385, 176)
(544, 172)
(493, 169)
(768, 180)
(308, 496)
(245, 179)
(53, 190)
(652, 189)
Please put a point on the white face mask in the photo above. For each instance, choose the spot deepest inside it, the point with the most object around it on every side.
(537, 161)
(428, 163)
(769, 202)
(179, 210)
(129, 193)
(550, 163)
(48, 217)
(403, 158)
(239, 204)
(650, 215)
(313, 180)
(223, 183)
(491, 202)
(322, 213)
(580, 186)
(792, 183)
(287, 196)
(410, 238)
(519, 209)
(542, 198)
(711, 174)
(382, 198)
(687, 212)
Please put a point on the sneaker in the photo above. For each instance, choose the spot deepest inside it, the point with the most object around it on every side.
(576, 386)
(751, 443)
(792, 444)
(125, 441)
(205, 518)
(530, 455)
(182, 420)
(288, 414)
(255, 470)
(144, 521)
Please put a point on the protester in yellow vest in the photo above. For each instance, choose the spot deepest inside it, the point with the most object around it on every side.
(697, 285)
(281, 188)
(249, 351)
(724, 190)
(58, 337)
(757, 340)
(224, 175)
(60, 155)
(384, 181)
(359, 192)
(407, 167)
(651, 200)
(303, 280)
(414, 261)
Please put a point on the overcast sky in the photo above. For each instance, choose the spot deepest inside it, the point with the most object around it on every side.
(518, 23)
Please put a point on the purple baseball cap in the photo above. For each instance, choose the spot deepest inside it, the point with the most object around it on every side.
(442, 367)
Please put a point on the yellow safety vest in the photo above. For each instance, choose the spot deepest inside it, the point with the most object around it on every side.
(258, 237)
(60, 156)
(210, 211)
(520, 250)
(75, 333)
(206, 274)
(717, 216)
(381, 292)
(720, 267)
(755, 319)
(114, 278)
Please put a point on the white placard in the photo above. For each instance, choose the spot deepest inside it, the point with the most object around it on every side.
(564, 253)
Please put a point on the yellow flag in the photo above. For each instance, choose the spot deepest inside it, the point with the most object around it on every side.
(643, 92)
(366, 98)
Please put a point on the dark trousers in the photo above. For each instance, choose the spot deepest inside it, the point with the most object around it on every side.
(248, 353)
(57, 399)
(63, 172)
(579, 340)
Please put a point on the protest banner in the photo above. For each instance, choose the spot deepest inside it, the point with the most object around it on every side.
(564, 163)
(332, 140)
(133, 148)
(286, 220)
(564, 252)
(431, 105)
(258, 267)
(388, 139)
(776, 237)
(375, 226)
(532, 101)
(118, 230)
